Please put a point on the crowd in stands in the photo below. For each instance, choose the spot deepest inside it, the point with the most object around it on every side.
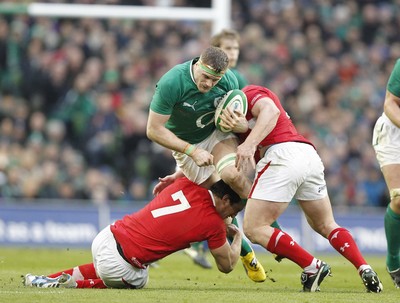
(74, 93)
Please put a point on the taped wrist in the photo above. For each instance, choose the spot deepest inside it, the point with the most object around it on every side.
(189, 149)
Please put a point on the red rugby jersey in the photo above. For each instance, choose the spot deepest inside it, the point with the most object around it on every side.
(181, 214)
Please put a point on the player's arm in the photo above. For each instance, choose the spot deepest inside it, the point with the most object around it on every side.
(227, 255)
(157, 132)
(163, 182)
(266, 113)
(392, 108)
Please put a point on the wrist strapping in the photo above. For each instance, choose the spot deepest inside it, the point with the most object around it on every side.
(189, 149)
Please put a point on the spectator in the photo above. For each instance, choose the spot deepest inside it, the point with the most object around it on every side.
(102, 132)
(77, 109)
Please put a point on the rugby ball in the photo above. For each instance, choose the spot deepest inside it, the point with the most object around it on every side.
(236, 100)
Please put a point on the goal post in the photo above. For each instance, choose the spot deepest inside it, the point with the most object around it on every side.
(219, 13)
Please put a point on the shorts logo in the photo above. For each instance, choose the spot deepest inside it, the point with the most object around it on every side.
(321, 188)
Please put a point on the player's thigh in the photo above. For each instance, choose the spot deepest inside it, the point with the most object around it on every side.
(391, 173)
(276, 177)
(386, 141)
(224, 147)
(319, 215)
(262, 213)
(219, 144)
(111, 267)
(224, 153)
(191, 170)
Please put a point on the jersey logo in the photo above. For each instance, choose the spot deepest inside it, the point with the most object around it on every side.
(190, 105)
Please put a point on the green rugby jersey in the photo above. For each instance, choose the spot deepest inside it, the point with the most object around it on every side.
(192, 112)
(393, 85)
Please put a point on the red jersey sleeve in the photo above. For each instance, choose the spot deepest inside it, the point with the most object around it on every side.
(284, 130)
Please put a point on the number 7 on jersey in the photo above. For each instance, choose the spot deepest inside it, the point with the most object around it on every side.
(163, 211)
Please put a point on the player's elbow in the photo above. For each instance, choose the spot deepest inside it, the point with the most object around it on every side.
(226, 269)
(226, 265)
(275, 114)
(151, 132)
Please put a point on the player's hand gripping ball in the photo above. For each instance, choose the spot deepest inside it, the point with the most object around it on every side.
(236, 100)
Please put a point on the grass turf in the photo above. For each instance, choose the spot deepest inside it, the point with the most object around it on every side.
(179, 280)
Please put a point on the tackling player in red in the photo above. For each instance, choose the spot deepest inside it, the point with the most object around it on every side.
(182, 213)
(288, 167)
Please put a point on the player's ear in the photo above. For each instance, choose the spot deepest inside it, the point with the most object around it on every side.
(226, 200)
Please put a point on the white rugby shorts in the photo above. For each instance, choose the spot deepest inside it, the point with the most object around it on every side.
(289, 170)
(111, 267)
(386, 141)
(190, 169)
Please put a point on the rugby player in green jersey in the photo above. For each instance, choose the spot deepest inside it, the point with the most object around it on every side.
(229, 41)
(181, 118)
(386, 142)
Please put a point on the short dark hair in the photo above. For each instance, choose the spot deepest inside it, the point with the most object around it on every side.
(224, 34)
(221, 189)
(216, 58)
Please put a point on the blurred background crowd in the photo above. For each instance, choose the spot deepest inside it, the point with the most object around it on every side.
(74, 93)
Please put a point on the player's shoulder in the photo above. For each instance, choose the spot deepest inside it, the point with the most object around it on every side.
(227, 82)
(230, 76)
(239, 76)
(396, 67)
(174, 82)
(253, 88)
(186, 185)
(185, 181)
(253, 91)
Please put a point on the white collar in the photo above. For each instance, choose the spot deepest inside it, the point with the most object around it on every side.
(192, 63)
(212, 197)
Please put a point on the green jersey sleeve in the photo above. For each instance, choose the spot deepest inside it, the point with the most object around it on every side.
(393, 85)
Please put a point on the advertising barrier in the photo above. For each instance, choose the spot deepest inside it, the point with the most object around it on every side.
(66, 225)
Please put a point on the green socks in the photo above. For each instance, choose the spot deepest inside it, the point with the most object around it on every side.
(392, 228)
(198, 246)
(275, 224)
(246, 248)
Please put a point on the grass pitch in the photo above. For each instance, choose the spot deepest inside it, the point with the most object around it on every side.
(179, 280)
